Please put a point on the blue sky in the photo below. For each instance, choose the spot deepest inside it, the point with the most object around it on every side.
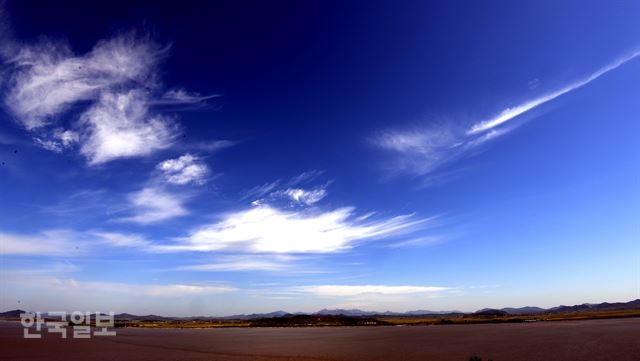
(231, 158)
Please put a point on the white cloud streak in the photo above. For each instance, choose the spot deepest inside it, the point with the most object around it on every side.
(181, 96)
(261, 190)
(68, 243)
(420, 151)
(416, 242)
(264, 229)
(357, 290)
(305, 177)
(120, 240)
(510, 113)
(153, 204)
(245, 263)
(48, 243)
(111, 289)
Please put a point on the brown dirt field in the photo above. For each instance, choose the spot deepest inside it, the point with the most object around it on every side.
(592, 340)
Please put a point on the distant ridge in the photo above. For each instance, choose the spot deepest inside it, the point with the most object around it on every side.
(254, 316)
(12, 314)
(490, 312)
(527, 310)
(360, 313)
(507, 311)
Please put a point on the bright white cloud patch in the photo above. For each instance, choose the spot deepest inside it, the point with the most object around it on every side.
(350, 291)
(264, 229)
(151, 205)
(183, 170)
(119, 126)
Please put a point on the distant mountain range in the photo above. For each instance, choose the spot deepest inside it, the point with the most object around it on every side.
(360, 313)
(529, 310)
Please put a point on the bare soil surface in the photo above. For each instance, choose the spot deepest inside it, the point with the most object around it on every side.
(592, 340)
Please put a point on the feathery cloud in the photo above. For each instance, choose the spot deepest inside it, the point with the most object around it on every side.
(510, 113)
(264, 229)
(304, 177)
(113, 88)
(153, 204)
(181, 96)
(48, 77)
(47, 243)
(68, 284)
(68, 243)
(119, 126)
(420, 151)
(356, 290)
(260, 190)
(245, 263)
(120, 240)
(305, 197)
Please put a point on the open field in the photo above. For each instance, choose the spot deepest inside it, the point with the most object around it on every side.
(471, 319)
(610, 339)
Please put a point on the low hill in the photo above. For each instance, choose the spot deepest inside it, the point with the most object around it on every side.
(345, 315)
(315, 320)
(12, 314)
(490, 312)
(527, 310)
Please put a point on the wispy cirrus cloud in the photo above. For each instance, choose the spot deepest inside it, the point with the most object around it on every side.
(304, 177)
(67, 243)
(511, 113)
(70, 284)
(416, 242)
(361, 290)
(307, 197)
(47, 77)
(421, 150)
(47, 243)
(300, 196)
(289, 191)
(181, 96)
(115, 239)
(154, 204)
(113, 88)
(246, 263)
(264, 229)
(260, 190)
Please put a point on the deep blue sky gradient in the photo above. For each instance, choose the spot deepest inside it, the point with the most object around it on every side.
(544, 215)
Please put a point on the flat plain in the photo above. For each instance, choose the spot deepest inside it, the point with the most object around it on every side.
(592, 340)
